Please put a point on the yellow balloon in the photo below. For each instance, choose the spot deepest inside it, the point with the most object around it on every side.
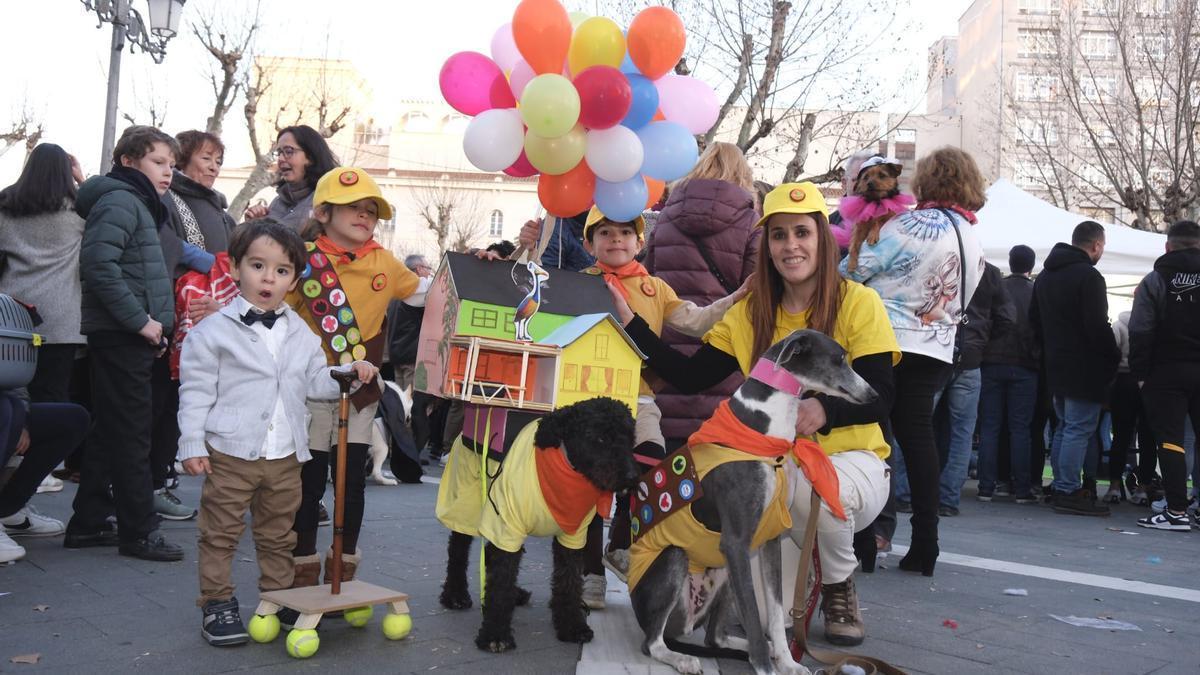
(550, 105)
(598, 41)
(556, 156)
(577, 18)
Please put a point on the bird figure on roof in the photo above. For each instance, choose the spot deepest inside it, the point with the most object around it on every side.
(528, 306)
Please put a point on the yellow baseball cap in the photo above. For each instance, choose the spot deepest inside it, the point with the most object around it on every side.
(595, 216)
(346, 185)
(793, 198)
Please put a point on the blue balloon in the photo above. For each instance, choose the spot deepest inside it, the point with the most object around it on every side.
(622, 201)
(644, 103)
(669, 150)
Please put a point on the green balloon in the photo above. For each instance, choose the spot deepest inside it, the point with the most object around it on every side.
(550, 105)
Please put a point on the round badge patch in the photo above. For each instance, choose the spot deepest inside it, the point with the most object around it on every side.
(353, 336)
(797, 195)
(687, 490)
(319, 307)
(318, 260)
(379, 281)
(635, 526)
(329, 324)
(312, 288)
(643, 491)
(307, 271)
(338, 342)
(359, 352)
(337, 297)
(660, 478)
(679, 465)
(646, 513)
(348, 177)
(310, 246)
(346, 316)
(344, 359)
(664, 502)
(328, 279)
(648, 289)
(594, 271)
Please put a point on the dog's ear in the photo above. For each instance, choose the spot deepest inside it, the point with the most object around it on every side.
(894, 170)
(797, 343)
(552, 429)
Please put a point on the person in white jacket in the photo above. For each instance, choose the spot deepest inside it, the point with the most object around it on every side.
(245, 374)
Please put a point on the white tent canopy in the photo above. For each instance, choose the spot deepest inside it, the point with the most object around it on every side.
(1013, 216)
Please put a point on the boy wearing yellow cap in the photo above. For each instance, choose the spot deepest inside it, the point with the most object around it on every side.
(615, 245)
(343, 295)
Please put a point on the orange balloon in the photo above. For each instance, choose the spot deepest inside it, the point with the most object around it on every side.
(654, 190)
(655, 41)
(542, 31)
(658, 116)
(568, 194)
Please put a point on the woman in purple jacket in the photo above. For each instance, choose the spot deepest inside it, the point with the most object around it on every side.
(703, 246)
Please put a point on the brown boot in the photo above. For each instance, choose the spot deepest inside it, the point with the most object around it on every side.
(307, 571)
(349, 565)
(843, 621)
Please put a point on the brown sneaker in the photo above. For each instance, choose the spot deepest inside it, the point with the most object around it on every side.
(843, 622)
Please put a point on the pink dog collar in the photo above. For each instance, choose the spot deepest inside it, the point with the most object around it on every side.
(773, 376)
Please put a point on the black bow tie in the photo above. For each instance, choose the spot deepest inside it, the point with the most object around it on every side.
(267, 318)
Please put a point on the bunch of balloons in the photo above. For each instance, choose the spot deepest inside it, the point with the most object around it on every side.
(596, 111)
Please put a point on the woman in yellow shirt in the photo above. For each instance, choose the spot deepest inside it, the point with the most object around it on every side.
(798, 286)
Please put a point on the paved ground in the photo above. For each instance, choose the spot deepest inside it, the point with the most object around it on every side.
(105, 613)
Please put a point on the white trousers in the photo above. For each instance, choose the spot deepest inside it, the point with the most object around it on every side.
(863, 481)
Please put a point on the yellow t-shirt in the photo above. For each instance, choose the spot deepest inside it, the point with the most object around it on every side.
(652, 299)
(862, 329)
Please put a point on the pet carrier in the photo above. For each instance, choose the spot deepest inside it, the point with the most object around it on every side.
(18, 344)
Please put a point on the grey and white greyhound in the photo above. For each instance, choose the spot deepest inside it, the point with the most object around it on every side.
(735, 496)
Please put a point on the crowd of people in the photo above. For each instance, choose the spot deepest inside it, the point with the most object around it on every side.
(975, 371)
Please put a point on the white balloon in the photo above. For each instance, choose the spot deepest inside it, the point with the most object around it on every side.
(614, 154)
(494, 139)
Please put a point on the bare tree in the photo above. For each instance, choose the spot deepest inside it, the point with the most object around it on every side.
(1109, 110)
(229, 44)
(25, 129)
(452, 214)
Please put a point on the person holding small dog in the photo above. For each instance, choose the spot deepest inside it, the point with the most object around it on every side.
(255, 355)
(343, 295)
(797, 286)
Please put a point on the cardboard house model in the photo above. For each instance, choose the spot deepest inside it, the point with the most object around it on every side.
(467, 350)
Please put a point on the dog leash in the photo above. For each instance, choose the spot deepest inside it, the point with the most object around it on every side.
(800, 612)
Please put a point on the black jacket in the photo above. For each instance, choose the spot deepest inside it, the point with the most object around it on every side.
(1164, 327)
(990, 312)
(208, 206)
(1069, 313)
(1017, 346)
(404, 328)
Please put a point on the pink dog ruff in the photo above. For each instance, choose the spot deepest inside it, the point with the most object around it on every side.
(855, 209)
(777, 378)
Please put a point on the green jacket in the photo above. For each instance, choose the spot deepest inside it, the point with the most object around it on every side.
(121, 263)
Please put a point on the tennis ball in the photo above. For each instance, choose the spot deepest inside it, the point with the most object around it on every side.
(397, 626)
(302, 643)
(358, 616)
(264, 628)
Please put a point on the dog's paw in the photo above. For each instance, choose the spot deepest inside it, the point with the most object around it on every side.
(688, 665)
(495, 644)
(523, 597)
(578, 634)
(455, 599)
(384, 480)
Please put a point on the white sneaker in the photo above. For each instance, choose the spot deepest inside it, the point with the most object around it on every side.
(1160, 505)
(594, 588)
(1166, 521)
(50, 484)
(9, 549)
(29, 523)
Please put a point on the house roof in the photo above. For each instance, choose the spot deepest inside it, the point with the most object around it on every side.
(565, 293)
(575, 328)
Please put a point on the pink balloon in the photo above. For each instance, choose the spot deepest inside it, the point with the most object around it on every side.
(520, 76)
(688, 102)
(472, 83)
(604, 97)
(504, 48)
(521, 168)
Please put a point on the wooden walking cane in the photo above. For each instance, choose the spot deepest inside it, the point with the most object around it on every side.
(344, 380)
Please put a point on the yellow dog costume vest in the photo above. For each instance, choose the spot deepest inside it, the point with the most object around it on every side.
(702, 545)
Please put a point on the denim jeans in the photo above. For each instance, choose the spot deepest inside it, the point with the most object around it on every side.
(1007, 393)
(962, 402)
(1079, 420)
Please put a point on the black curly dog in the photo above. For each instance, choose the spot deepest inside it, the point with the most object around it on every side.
(597, 437)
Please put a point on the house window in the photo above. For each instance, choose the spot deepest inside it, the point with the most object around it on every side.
(602, 347)
(624, 382)
(497, 226)
(571, 377)
(484, 318)
(1099, 45)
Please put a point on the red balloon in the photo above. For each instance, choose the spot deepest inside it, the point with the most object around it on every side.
(472, 83)
(568, 194)
(521, 168)
(604, 97)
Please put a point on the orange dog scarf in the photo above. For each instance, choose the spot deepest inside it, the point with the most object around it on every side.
(724, 428)
(569, 496)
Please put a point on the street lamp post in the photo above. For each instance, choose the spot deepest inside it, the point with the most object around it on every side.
(127, 24)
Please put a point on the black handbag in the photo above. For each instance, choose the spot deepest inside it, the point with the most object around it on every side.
(962, 291)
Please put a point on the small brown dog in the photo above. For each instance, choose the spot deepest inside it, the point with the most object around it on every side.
(875, 200)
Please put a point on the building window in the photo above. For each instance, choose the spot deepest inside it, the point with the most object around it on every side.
(1093, 176)
(1152, 46)
(484, 318)
(496, 229)
(1100, 7)
(1099, 45)
(1036, 131)
(1153, 7)
(1101, 88)
(1027, 175)
(601, 347)
(1099, 213)
(1035, 87)
(1037, 41)
(1038, 6)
